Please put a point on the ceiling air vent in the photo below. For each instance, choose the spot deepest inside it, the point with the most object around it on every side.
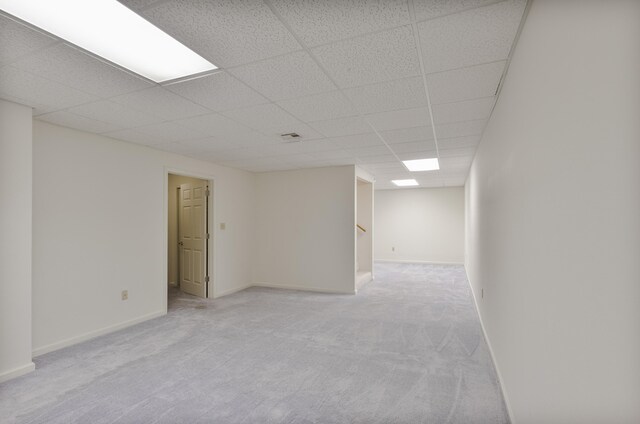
(291, 137)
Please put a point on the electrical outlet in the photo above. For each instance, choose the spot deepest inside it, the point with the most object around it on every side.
(223, 226)
(125, 294)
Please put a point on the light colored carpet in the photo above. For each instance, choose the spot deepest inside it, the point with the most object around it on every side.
(407, 349)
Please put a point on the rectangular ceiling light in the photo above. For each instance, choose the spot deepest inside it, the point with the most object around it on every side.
(405, 183)
(114, 32)
(422, 164)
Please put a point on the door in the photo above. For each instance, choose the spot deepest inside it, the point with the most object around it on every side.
(192, 236)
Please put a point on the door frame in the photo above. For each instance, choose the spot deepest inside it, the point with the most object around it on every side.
(211, 214)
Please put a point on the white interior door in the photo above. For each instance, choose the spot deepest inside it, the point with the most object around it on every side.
(192, 236)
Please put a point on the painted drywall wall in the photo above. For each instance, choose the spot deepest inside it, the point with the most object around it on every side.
(172, 214)
(553, 207)
(100, 227)
(15, 240)
(364, 218)
(420, 225)
(305, 229)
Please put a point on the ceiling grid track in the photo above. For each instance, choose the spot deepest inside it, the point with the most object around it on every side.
(416, 37)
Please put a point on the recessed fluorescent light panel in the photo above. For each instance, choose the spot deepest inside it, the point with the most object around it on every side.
(422, 164)
(405, 183)
(114, 32)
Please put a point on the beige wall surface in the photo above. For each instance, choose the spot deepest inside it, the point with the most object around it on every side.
(422, 225)
(15, 239)
(553, 217)
(306, 224)
(100, 227)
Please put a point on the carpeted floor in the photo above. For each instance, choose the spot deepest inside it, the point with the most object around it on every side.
(407, 349)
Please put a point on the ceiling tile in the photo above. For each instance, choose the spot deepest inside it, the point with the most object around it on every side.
(159, 102)
(414, 146)
(285, 77)
(226, 32)
(378, 57)
(467, 110)
(457, 152)
(460, 129)
(378, 150)
(390, 95)
(319, 107)
(19, 40)
(32, 90)
(406, 135)
(433, 9)
(71, 120)
(331, 154)
(219, 91)
(262, 117)
(458, 142)
(378, 159)
(465, 84)
(133, 136)
(170, 132)
(208, 144)
(406, 118)
(354, 141)
(73, 68)
(342, 126)
(456, 163)
(472, 37)
(419, 154)
(223, 128)
(319, 22)
(113, 113)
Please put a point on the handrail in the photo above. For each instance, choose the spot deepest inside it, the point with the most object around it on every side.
(361, 228)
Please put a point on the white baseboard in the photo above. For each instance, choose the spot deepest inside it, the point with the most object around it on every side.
(93, 334)
(17, 372)
(493, 358)
(301, 288)
(418, 262)
(231, 291)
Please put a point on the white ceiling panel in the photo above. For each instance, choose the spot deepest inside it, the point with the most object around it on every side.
(73, 68)
(319, 107)
(161, 103)
(467, 110)
(354, 141)
(319, 22)
(67, 119)
(42, 94)
(342, 127)
(457, 152)
(430, 9)
(226, 32)
(458, 142)
(465, 84)
(378, 57)
(390, 95)
(460, 129)
(19, 41)
(396, 119)
(456, 162)
(217, 92)
(331, 154)
(285, 77)
(226, 129)
(414, 146)
(476, 36)
(171, 132)
(406, 135)
(115, 114)
(388, 158)
(361, 152)
(420, 154)
(134, 136)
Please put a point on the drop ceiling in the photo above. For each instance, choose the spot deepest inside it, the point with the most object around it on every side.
(363, 82)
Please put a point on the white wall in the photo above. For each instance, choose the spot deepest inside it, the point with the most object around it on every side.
(364, 217)
(100, 227)
(553, 217)
(305, 237)
(15, 240)
(423, 225)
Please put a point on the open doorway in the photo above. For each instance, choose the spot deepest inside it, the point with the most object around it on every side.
(188, 267)
(364, 232)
